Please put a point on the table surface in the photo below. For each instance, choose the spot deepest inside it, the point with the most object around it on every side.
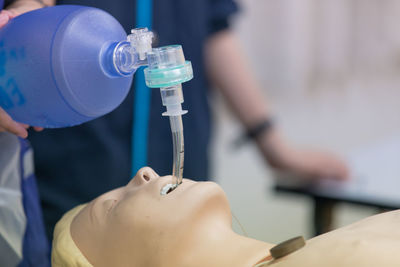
(375, 178)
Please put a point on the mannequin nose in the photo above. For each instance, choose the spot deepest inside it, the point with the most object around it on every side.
(145, 175)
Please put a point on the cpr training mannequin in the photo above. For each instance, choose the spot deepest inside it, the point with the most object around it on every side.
(191, 226)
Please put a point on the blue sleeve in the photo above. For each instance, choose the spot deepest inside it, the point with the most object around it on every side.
(220, 12)
(36, 248)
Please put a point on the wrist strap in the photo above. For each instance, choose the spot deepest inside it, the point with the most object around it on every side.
(253, 133)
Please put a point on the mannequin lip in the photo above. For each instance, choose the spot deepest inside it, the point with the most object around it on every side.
(169, 184)
(168, 188)
(186, 184)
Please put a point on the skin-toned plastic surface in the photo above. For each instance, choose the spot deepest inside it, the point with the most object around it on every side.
(191, 226)
(52, 70)
(136, 226)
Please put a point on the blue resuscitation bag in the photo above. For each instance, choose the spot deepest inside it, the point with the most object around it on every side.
(55, 66)
(23, 240)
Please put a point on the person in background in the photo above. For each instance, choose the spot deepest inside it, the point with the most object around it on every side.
(76, 164)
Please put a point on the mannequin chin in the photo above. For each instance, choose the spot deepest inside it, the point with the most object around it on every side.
(191, 226)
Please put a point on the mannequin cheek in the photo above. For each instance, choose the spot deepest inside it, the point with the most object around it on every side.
(135, 214)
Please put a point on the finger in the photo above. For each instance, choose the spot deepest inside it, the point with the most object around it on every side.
(4, 18)
(10, 13)
(11, 126)
(26, 126)
(16, 129)
(345, 174)
(342, 171)
(339, 173)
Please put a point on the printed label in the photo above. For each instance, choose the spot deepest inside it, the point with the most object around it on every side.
(10, 93)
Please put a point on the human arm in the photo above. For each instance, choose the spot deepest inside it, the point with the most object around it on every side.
(230, 72)
(7, 124)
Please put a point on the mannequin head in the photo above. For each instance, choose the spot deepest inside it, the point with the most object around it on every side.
(191, 226)
(132, 223)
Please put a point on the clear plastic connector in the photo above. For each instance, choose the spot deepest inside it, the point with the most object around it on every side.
(129, 55)
(141, 39)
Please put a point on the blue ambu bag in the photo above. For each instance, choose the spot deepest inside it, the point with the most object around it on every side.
(53, 66)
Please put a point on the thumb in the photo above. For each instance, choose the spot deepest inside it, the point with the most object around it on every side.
(7, 124)
(6, 16)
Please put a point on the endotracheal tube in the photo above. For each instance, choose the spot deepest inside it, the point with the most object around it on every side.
(168, 70)
(179, 148)
(172, 98)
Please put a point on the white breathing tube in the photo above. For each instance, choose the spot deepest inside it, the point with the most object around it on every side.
(172, 98)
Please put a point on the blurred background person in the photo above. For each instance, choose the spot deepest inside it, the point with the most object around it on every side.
(330, 70)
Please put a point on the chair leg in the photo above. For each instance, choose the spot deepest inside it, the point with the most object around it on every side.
(323, 215)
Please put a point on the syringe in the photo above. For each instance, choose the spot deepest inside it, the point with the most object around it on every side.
(168, 70)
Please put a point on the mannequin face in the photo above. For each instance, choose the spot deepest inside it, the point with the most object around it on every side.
(132, 223)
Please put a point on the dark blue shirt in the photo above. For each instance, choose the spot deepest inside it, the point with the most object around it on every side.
(77, 164)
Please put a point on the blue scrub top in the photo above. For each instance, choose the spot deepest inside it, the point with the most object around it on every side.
(74, 165)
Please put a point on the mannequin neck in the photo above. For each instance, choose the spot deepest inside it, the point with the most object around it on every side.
(220, 246)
